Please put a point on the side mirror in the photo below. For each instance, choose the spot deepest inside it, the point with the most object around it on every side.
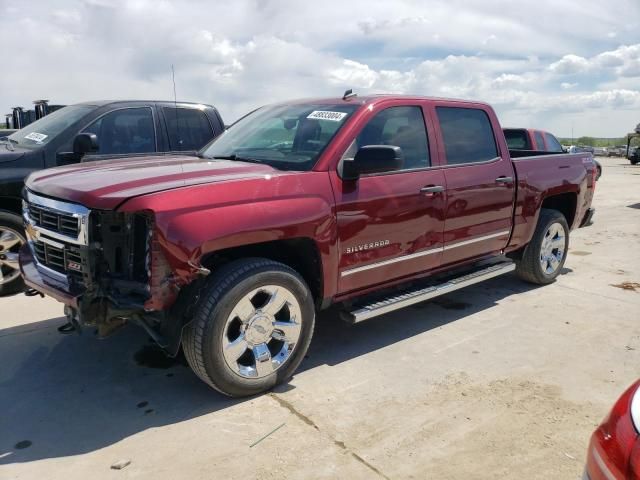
(373, 159)
(85, 143)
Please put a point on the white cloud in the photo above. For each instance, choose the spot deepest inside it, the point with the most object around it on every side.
(570, 64)
(239, 55)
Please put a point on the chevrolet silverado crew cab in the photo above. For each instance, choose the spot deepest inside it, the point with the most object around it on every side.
(89, 132)
(369, 204)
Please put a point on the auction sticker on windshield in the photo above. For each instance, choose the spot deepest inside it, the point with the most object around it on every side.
(36, 137)
(326, 115)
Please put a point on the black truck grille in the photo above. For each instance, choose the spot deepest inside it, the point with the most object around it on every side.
(55, 221)
(66, 260)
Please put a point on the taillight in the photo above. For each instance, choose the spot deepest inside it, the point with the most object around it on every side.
(613, 453)
(634, 462)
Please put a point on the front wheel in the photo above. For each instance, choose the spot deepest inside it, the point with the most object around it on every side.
(544, 256)
(252, 327)
(12, 237)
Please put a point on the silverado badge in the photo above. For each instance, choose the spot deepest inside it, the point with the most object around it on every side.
(367, 246)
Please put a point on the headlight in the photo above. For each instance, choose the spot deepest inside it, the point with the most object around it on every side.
(635, 410)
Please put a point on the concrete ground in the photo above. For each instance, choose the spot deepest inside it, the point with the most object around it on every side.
(501, 380)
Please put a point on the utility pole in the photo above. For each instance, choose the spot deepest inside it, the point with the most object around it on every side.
(571, 132)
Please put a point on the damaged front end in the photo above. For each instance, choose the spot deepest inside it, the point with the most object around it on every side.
(108, 267)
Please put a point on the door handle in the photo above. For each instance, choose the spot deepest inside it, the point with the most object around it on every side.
(504, 179)
(432, 189)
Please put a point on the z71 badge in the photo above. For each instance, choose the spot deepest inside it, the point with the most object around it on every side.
(367, 246)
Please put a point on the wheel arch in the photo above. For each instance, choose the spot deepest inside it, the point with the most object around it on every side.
(566, 203)
(11, 205)
(301, 254)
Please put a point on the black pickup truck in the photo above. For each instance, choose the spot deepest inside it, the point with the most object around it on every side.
(88, 132)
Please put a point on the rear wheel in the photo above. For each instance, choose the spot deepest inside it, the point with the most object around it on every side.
(12, 237)
(252, 327)
(544, 256)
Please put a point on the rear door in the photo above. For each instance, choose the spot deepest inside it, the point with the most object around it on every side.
(480, 182)
(390, 224)
(188, 129)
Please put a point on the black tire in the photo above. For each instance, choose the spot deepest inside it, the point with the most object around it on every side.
(202, 338)
(633, 161)
(528, 267)
(13, 222)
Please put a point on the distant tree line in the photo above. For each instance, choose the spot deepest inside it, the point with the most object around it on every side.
(594, 142)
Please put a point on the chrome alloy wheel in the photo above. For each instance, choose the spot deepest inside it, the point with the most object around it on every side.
(552, 249)
(262, 331)
(10, 243)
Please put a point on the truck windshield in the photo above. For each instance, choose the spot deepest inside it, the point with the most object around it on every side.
(287, 137)
(42, 131)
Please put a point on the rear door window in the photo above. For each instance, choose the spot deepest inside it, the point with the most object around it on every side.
(128, 130)
(553, 145)
(539, 141)
(467, 134)
(188, 128)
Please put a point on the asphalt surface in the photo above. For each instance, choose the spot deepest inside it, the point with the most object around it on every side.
(501, 380)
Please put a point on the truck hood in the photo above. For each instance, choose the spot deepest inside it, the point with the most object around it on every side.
(7, 155)
(106, 184)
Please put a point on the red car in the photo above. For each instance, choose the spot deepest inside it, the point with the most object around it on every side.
(370, 204)
(614, 450)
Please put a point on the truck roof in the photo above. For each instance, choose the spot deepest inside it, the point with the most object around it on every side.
(374, 98)
(102, 103)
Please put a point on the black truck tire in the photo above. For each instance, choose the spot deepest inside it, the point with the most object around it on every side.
(11, 229)
(213, 341)
(552, 225)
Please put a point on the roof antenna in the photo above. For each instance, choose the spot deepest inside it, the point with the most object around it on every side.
(175, 105)
(349, 94)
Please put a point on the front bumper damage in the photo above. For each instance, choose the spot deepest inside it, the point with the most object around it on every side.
(116, 274)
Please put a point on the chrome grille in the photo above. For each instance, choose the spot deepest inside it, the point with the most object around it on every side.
(55, 221)
(62, 221)
(60, 257)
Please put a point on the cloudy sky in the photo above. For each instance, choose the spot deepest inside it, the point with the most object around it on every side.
(543, 63)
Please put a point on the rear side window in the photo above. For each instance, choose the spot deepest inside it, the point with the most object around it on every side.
(188, 128)
(517, 139)
(539, 141)
(468, 136)
(553, 145)
(128, 130)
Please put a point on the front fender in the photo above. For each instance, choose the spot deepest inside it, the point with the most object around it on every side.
(196, 221)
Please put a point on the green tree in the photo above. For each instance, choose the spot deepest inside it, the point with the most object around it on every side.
(590, 141)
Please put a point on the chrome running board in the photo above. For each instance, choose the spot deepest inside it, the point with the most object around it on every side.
(420, 295)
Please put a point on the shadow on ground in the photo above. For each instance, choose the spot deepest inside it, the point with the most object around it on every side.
(67, 395)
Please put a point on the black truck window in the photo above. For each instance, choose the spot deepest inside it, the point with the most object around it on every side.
(539, 141)
(188, 128)
(128, 130)
(468, 136)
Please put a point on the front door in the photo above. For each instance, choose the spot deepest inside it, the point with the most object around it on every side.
(390, 224)
(480, 185)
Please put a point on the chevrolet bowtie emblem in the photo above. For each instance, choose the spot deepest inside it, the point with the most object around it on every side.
(32, 233)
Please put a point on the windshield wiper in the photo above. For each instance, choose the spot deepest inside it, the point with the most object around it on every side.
(237, 158)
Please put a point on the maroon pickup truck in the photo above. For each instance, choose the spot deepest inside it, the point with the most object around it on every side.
(367, 203)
